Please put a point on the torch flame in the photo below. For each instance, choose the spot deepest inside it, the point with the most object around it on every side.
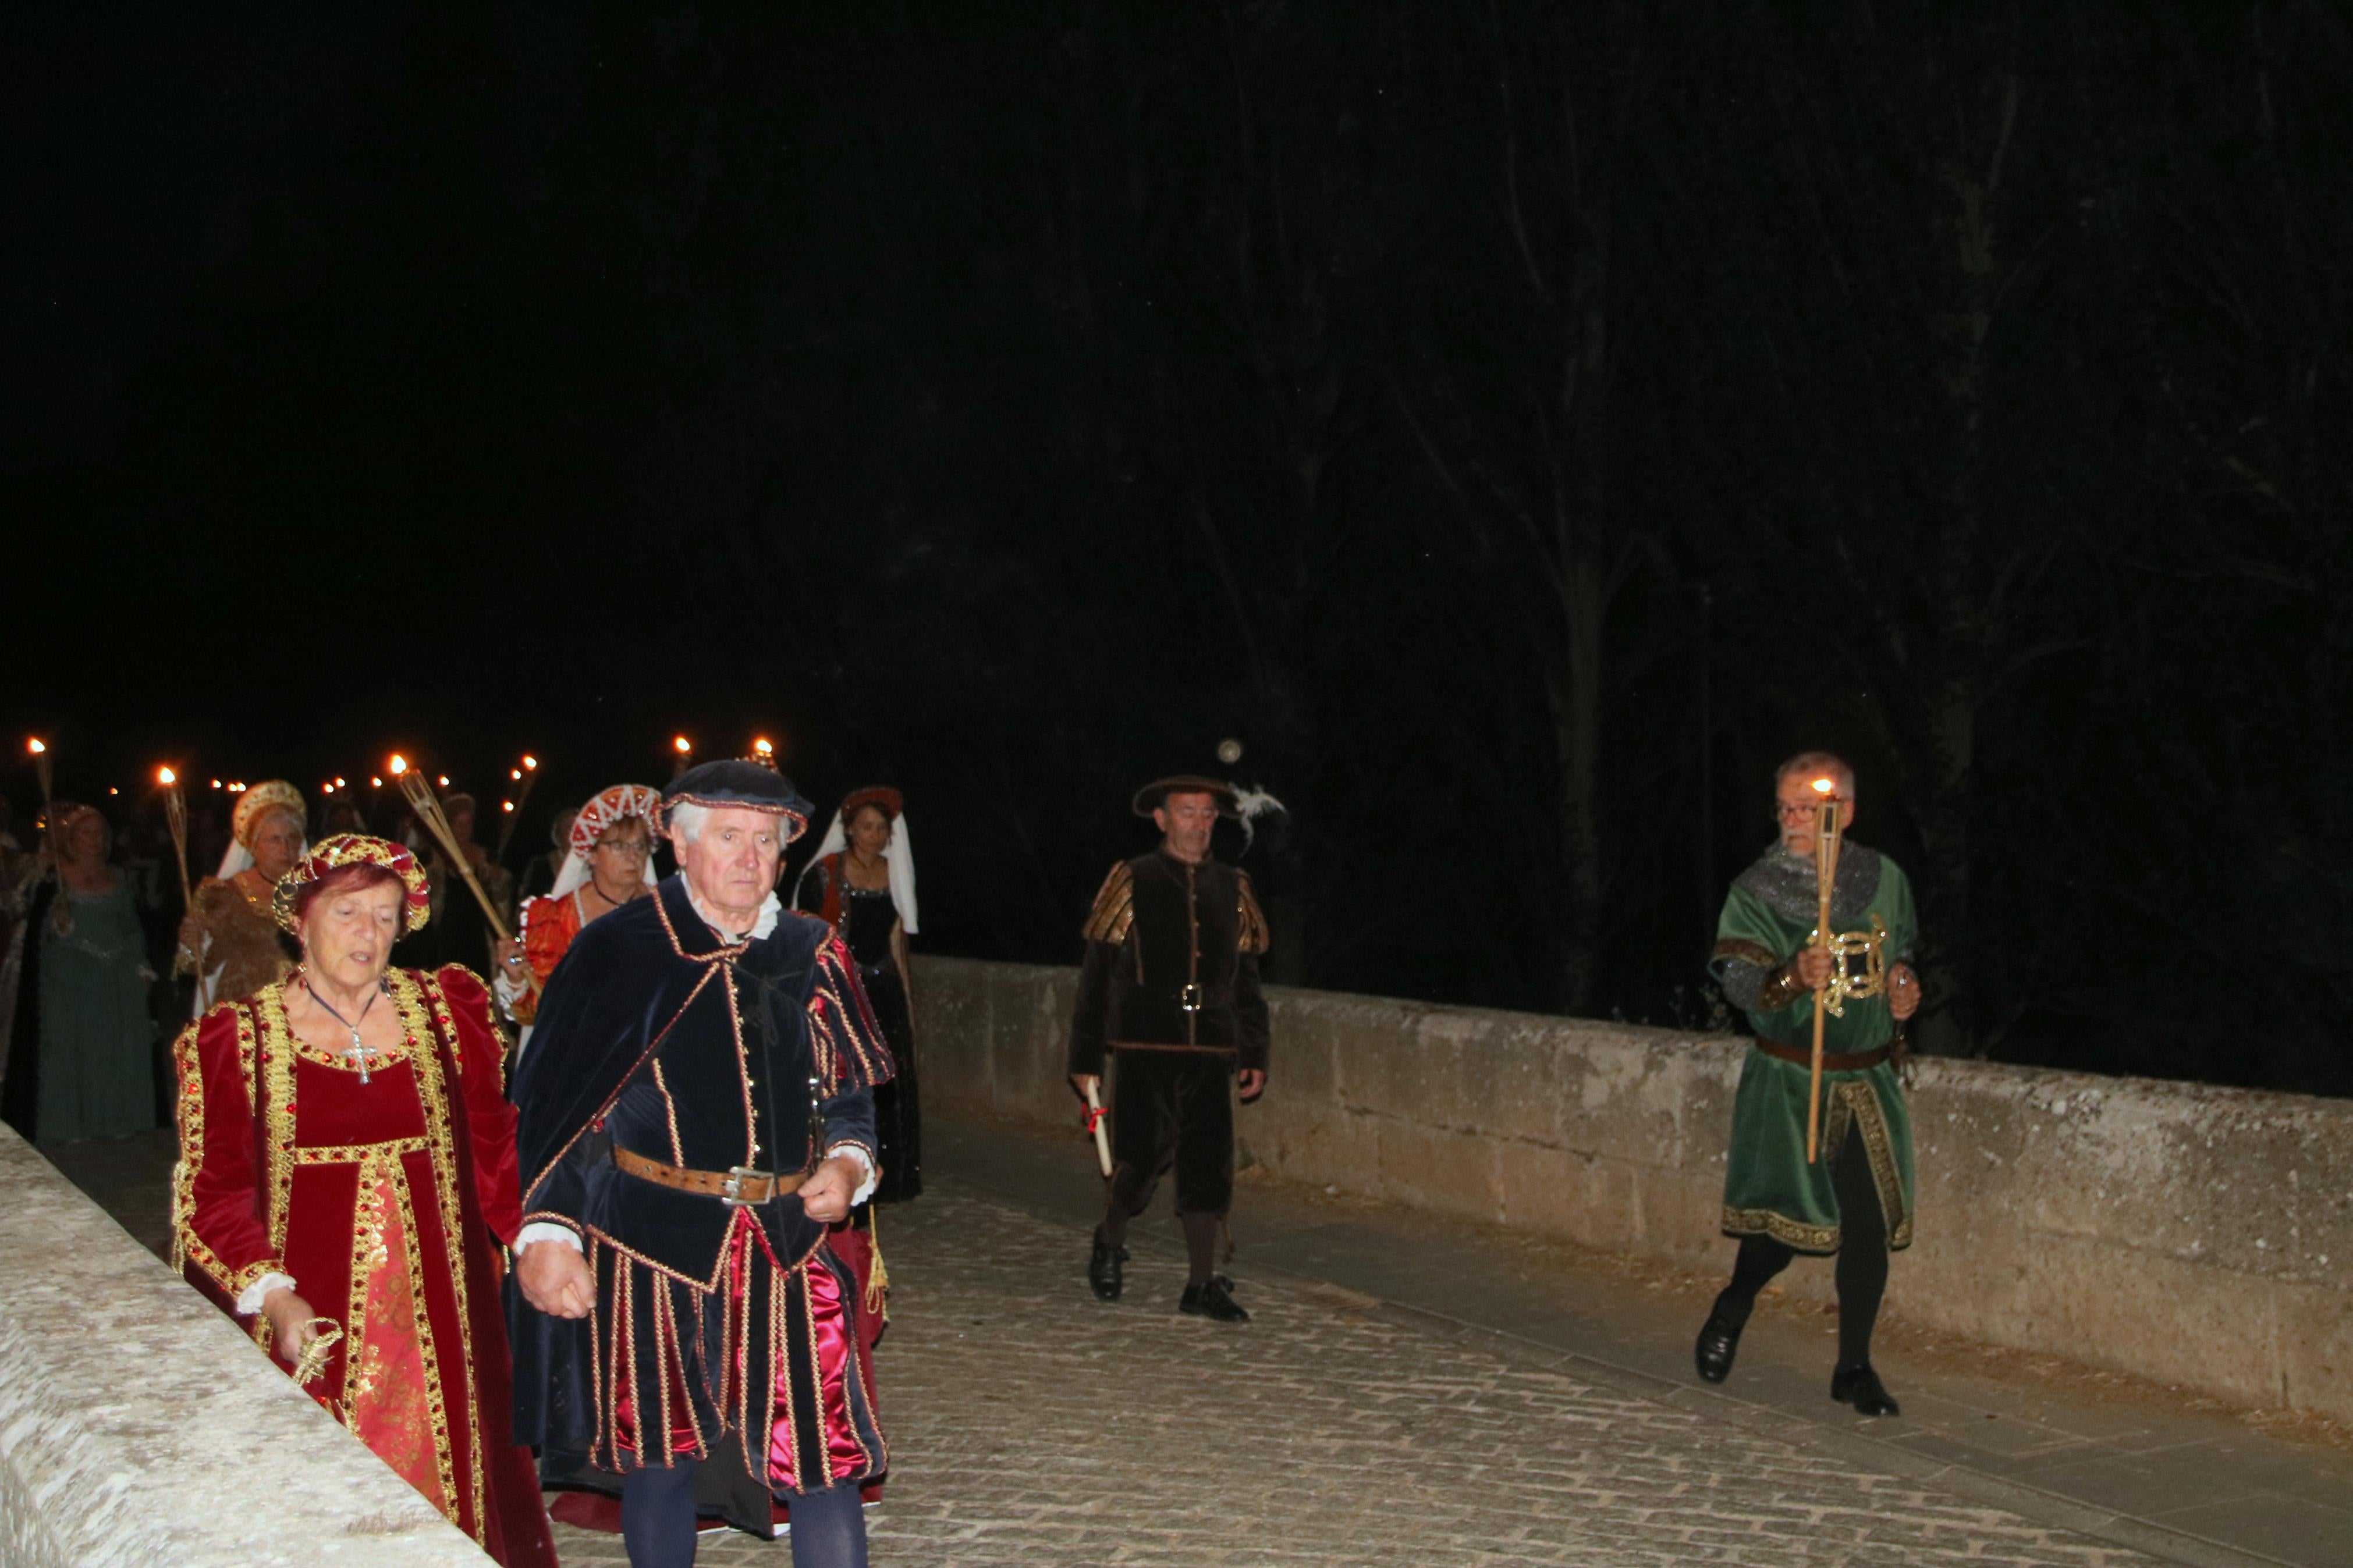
(514, 773)
(399, 764)
(683, 744)
(375, 783)
(530, 762)
(1823, 786)
(33, 745)
(506, 805)
(166, 776)
(762, 747)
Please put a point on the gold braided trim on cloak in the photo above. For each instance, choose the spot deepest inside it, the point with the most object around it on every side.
(1852, 1104)
(1115, 908)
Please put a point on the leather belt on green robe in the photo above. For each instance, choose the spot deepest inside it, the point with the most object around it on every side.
(1832, 1061)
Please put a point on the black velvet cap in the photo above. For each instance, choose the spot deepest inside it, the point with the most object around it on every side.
(747, 786)
(1149, 797)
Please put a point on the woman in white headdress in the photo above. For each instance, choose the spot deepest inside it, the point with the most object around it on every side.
(230, 940)
(612, 854)
(862, 883)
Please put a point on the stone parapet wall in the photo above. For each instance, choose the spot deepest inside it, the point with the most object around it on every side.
(2197, 1235)
(138, 1426)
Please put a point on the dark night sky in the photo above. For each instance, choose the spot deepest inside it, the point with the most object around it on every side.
(1011, 405)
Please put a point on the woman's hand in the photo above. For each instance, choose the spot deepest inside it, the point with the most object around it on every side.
(192, 934)
(290, 1328)
(509, 956)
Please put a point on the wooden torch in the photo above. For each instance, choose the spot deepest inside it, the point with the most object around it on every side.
(175, 816)
(1826, 853)
(428, 806)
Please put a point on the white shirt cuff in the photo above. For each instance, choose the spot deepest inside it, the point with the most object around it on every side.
(508, 990)
(248, 1300)
(547, 1230)
(866, 1163)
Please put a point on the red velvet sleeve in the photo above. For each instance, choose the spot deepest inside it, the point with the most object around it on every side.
(479, 1050)
(218, 1229)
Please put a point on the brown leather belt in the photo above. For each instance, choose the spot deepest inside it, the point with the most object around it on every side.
(735, 1186)
(1832, 1061)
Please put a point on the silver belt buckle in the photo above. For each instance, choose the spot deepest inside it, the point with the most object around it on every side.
(731, 1195)
(1190, 998)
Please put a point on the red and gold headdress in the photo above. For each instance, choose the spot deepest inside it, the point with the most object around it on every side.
(610, 806)
(253, 803)
(357, 849)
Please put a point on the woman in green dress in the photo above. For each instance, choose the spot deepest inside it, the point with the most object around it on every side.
(87, 1069)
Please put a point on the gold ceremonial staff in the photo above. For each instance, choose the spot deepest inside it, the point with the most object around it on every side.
(428, 806)
(1826, 854)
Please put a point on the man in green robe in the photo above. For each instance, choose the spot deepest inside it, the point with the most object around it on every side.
(1855, 1201)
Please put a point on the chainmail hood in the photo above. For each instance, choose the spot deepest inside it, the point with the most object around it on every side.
(1785, 882)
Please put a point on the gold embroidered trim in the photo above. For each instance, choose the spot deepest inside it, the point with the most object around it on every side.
(1815, 1238)
(1746, 951)
(355, 1153)
(189, 1100)
(274, 1073)
(415, 993)
(1857, 1101)
(1115, 908)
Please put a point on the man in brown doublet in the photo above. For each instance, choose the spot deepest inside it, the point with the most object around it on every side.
(1170, 990)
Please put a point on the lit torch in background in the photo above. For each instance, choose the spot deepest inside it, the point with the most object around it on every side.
(175, 815)
(763, 752)
(428, 806)
(685, 758)
(526, 775)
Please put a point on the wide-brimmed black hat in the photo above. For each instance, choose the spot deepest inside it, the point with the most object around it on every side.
(747, 786)
(1148, 798)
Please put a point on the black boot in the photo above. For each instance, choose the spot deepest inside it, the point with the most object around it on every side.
(1860, 1386)
(1212, 1300)
(1719, 1340)
(1106, 1270)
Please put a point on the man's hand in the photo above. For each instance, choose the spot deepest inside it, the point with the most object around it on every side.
(824, 1196)
(1252, 1083)
(556, 1279)
(1813, 967)
(1903, 992)
(289, 1316)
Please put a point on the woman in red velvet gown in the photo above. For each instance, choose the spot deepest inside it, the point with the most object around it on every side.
(347, 1168)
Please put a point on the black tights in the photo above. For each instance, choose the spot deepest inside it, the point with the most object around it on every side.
(1200, 1238)
(1862, 1271)
(658, 1522)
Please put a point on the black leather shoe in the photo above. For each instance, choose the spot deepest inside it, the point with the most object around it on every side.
(1212, 1300)
(1106, 1270)
(1860, 1386)
(1713, 1354)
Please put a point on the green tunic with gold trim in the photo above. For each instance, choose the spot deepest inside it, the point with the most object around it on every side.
(1769, 1186)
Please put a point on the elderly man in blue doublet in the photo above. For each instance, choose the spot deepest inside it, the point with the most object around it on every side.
(695, 1109)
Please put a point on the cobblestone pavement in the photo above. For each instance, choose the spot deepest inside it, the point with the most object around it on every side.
(1033, 1425)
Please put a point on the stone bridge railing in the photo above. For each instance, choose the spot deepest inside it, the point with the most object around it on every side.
(138, 1426)
(2199, 1237)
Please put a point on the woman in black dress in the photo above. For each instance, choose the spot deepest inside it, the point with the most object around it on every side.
(862, 882)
